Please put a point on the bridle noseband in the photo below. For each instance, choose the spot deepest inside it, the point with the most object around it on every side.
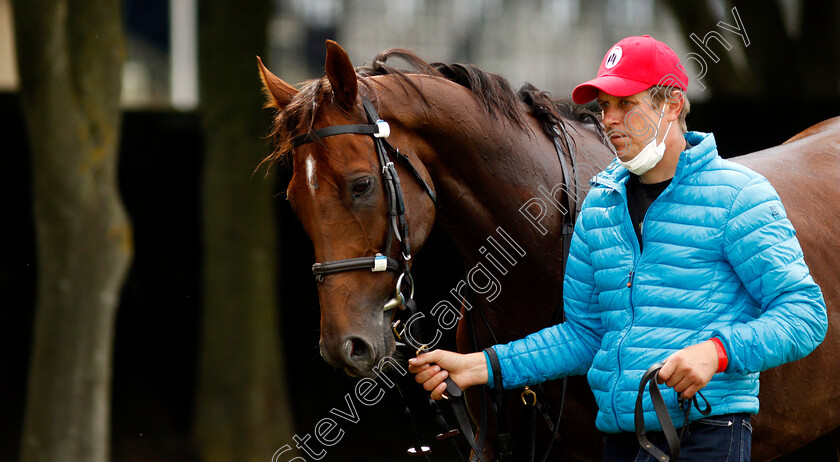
(379, 130)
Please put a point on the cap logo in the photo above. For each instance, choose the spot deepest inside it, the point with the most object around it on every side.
(613, 57)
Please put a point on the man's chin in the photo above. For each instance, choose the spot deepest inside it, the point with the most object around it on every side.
(624, 155)
(621, 145)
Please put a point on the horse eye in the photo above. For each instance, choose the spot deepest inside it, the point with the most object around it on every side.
(361, 186)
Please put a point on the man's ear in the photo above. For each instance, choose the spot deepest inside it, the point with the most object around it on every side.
(677, 101)
(278, 92)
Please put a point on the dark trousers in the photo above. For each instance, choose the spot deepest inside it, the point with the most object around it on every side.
(713, 439)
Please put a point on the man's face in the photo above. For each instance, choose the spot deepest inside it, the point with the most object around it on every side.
(630, 122)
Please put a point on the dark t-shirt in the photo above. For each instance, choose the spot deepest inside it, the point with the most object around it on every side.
(639, 198)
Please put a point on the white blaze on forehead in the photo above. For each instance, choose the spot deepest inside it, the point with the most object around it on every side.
(310, 174)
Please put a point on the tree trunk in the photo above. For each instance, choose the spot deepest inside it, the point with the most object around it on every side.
(70, 55)
(243, 412)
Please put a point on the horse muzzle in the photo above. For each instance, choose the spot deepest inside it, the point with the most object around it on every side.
(355, 354)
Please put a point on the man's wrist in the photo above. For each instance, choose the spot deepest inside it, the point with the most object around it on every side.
(478, 370)
(723, 359)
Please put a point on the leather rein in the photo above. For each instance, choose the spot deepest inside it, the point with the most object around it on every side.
(661, 410)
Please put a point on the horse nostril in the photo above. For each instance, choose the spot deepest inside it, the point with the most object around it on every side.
(358, 352)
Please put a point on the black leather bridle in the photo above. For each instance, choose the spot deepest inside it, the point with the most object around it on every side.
(379, 130)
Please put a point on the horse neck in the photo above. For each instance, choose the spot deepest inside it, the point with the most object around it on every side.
(479, 164)
(485, 169)
(485, 178)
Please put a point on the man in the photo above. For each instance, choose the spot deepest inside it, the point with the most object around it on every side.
(678, 256)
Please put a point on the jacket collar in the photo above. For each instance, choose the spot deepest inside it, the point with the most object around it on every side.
(703, 149)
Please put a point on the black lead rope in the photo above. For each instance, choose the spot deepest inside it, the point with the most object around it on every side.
(457, 400)
(661, 410)
(420, 450)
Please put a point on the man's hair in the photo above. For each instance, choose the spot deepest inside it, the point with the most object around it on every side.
(657, 96)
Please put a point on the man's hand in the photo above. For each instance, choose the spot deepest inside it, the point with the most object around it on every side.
(690, 369)
(434, 367)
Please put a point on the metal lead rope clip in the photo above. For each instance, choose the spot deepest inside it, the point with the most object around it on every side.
(394, 327)
(527, 392)
(422, 349)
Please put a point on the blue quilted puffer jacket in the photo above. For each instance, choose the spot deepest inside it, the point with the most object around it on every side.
(720, 259)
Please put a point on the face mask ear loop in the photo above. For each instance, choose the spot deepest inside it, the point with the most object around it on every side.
(666, 132)
(660, 121)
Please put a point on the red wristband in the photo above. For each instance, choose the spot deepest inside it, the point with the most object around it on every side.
(723, 360)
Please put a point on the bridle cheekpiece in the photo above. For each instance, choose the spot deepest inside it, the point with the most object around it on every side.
(381, 262)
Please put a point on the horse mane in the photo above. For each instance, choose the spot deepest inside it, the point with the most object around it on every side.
(493, 92)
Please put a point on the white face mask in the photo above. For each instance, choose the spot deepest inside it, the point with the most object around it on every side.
(650, 155)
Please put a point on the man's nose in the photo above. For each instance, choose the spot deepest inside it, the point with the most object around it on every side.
(611, 117)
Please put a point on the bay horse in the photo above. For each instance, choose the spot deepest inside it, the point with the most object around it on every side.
(498, 189)
(800, 401)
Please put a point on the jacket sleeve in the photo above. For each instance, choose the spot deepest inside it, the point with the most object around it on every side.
(567, 348)
(760, 244)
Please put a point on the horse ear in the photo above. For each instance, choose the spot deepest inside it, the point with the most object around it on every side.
(278, 92)
(341, 75)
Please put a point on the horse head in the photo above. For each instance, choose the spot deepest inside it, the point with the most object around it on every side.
(338, 191)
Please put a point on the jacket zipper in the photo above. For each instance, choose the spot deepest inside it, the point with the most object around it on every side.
(637, 256)
(634, 244)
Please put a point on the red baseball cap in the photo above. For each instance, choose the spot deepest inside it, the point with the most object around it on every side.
(634, 64)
